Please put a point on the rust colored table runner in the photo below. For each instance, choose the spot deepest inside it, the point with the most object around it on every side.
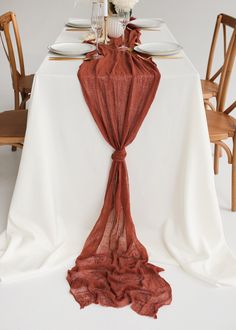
(113, 269)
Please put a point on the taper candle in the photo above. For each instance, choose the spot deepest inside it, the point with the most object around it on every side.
(106, 8)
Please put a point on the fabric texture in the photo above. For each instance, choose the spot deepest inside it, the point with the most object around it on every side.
(113, 268)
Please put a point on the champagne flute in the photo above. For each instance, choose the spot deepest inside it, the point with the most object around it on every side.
(124, 18)
(97, 21)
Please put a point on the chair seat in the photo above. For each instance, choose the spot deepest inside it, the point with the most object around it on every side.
(220, 125)
(25, 83)
(209, 89)
(13, 123)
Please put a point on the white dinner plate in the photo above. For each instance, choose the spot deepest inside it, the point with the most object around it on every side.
(147, 22)
(159, 48)
(71, 48)
(79, 22)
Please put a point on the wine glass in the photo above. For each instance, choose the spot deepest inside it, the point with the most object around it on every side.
(97, 21)
(124, 18)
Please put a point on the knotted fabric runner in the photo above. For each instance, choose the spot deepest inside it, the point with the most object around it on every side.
(113, 268)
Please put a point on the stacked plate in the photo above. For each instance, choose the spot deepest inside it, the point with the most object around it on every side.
(159, 48)
(71, 48)
(148, 23)
(79, 23)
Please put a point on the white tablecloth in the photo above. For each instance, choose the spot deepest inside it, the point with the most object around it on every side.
(64, 169)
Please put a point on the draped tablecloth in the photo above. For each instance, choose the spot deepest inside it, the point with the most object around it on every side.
(65, 165)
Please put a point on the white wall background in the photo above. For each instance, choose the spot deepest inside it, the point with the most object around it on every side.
(191, 21)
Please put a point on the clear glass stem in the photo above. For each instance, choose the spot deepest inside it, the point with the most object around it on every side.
(96, 35)
(123, 35)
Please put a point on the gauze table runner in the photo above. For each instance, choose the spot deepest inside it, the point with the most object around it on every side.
(113, 268)
(65, 164)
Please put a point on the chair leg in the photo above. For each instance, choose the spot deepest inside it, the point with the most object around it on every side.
(24, 98)
(17, 107)
(220, 152)
(206, 105)
(17, 99)
(234, 176)
(216, 159)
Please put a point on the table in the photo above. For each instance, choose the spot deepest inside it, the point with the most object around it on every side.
(64, 168)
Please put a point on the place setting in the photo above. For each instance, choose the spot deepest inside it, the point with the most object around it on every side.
(65, 51)
(148, 24)
(78, 50)
(162, 50)
(78, 24)
(107, 26)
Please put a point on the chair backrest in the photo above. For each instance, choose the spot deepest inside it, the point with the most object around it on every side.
(227, 24)
(225, 77)
(8, 21)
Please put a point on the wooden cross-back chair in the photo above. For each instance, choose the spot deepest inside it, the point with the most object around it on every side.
(210, 87)
(13, 122)
(221, 124)
(22, 83)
